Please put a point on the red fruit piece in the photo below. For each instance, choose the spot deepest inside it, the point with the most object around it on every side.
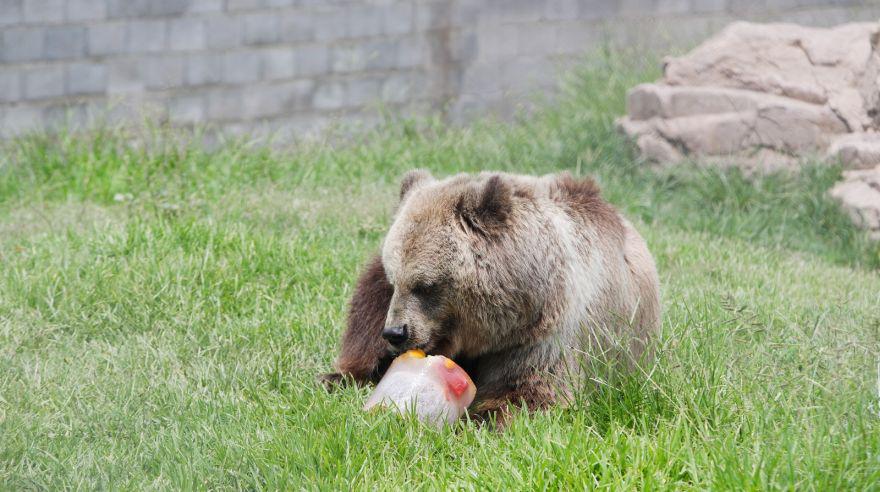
(454, 377)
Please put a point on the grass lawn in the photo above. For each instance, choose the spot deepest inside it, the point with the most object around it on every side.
(164, 311)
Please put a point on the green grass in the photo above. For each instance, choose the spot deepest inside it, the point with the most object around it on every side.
(171, 339)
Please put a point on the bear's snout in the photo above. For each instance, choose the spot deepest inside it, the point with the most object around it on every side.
(396, 335)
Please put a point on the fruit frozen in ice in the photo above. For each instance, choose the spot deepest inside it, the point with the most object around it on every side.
(434, 387)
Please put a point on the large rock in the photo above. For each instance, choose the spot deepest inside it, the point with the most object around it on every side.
(856, 150)
(762, 96)
(859, 194)
(814, 65)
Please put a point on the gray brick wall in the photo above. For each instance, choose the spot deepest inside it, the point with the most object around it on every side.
(295, 66)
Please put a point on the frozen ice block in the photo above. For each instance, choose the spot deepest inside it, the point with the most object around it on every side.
(434, 387)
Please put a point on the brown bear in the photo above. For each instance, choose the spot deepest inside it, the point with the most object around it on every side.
(514, 277)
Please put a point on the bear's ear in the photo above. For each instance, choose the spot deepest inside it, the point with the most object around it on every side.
(413, 179)
(485, 210)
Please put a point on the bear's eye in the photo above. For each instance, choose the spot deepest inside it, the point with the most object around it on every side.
(424, 289)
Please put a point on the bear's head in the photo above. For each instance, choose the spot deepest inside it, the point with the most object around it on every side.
(466, 262)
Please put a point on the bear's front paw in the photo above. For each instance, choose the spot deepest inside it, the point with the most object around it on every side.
(494, 415)
(334, 380)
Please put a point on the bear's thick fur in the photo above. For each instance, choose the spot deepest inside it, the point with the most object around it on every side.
(514, 277)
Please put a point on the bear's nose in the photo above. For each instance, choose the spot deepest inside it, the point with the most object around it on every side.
(396, 335)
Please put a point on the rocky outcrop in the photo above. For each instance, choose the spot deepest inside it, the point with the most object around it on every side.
(856, 150)
(859, 195)
(765, 96)
(760, 95)
(720, 122)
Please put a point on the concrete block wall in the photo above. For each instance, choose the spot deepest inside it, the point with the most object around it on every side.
(295, 66)
(235, 64)
(523, 46)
